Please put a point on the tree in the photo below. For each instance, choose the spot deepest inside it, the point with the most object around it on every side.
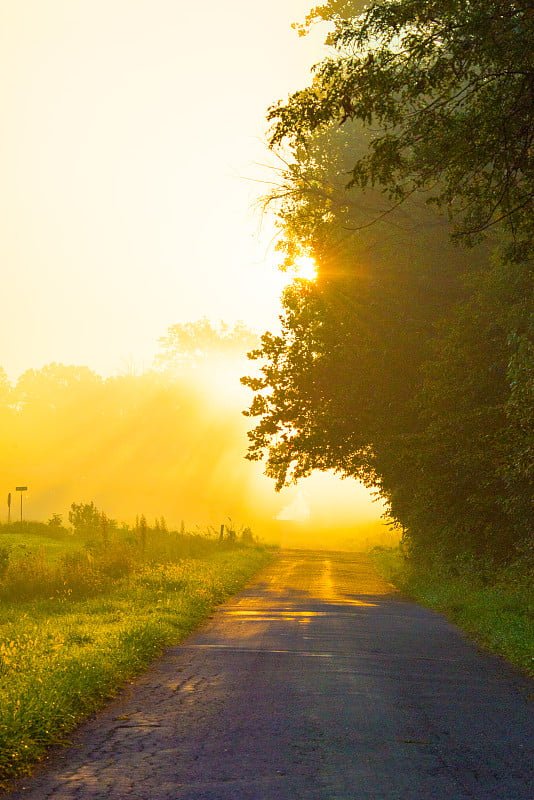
(191, 344)
(5, 388)
(445, 90)
(6, 405)
(84, 517)
(468, 503)
(54, 387)
(518, 465)
(338, 383)
(431, 405)
(407, 365)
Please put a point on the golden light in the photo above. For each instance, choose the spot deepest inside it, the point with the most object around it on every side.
(305, 268)
(111, 177)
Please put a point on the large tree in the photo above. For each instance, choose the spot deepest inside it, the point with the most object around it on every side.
(406, 363)
(446, 90)
(338, 383)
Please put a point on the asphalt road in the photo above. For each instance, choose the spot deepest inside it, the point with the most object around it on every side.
(316, 683)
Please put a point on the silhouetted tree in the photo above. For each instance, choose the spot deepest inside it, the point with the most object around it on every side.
(193, 343)
(407, 364)
(84, 517)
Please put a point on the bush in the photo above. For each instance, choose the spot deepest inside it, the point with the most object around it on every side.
(116, 560)
(4, 559)
(28, 576)
(79, 577)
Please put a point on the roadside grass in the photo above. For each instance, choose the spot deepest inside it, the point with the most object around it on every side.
(70, 640)
(30, 537)
(498, 613)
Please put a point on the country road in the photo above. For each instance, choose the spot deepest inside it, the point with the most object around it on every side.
(315, 683)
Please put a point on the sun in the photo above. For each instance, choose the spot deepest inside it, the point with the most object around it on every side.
(304, 268)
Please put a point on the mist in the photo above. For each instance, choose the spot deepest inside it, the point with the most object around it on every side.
(168, 442)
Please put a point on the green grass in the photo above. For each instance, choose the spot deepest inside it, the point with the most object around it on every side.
(498, 614)
(63, 655)
(32, 537)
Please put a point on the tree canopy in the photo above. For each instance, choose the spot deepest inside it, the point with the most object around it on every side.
(189, 344)
(445, 89)
(408, 363)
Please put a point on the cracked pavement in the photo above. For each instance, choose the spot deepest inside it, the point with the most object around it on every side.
(317, 682)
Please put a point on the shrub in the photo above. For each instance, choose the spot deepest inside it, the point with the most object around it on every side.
(4, 559)
(28, 576)
(78, 575)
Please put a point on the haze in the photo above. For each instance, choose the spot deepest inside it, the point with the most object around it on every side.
(133, 143)
(129, 132)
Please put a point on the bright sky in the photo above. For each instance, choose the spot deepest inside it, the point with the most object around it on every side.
(129, 129)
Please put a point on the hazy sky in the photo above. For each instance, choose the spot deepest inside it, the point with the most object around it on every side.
(129, 129)
(132, 135)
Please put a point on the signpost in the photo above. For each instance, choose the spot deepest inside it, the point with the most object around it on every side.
(9, 508)
(21, 489)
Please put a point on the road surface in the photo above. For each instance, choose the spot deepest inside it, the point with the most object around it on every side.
(316, 683)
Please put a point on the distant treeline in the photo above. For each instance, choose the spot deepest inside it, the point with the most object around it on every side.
(169, 440)
(408, 175)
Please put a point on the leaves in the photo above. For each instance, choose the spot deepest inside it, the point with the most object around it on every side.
(408, 363)
(446, 90)
(192, 343)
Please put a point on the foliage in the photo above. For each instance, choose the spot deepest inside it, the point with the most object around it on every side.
(451, 490)
(192, 343)
(408, 365)
(445, 89)
(85, 518)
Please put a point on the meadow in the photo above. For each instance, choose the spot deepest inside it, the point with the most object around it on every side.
(80, 615)
(495, 608)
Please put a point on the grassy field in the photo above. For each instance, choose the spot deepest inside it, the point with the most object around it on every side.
(496, 613)
(34, 536)
(78, 620)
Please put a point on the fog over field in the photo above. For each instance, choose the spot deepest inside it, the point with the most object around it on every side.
(166, 442)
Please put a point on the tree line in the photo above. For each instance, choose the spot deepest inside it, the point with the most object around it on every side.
(164, 441)
(408, 175)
